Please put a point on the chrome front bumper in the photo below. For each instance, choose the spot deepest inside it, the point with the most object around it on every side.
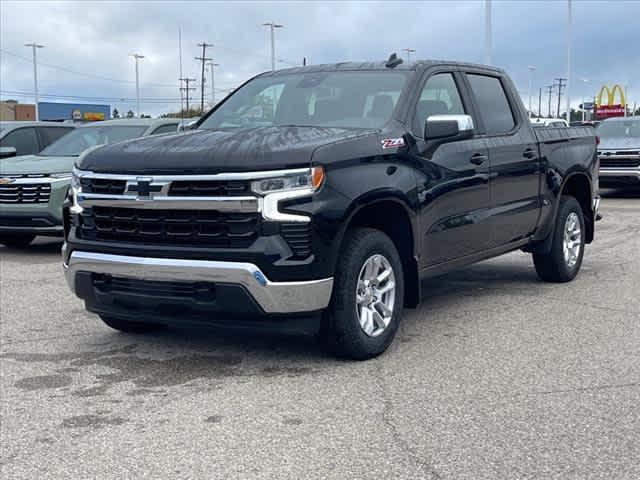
(620, 172)
(273, 297)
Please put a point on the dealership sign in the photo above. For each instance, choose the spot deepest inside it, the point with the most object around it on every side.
(611, 108)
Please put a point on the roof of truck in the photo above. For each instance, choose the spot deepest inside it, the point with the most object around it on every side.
(363, 66)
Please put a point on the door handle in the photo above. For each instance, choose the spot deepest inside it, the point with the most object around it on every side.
(478, 158)
(529, 153)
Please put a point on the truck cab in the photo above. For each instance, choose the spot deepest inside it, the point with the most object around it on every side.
(328, 192)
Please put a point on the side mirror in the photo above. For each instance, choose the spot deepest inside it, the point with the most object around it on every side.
(6, 152)
(448, 127)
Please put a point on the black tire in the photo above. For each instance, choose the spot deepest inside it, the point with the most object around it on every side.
(552, 266)
(16, 240)
(343, 331)
(129, 326)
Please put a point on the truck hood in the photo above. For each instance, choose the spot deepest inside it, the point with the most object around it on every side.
(215, 151)
(36, 164)
(619, 143)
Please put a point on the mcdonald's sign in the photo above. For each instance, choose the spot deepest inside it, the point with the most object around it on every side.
(610, 108)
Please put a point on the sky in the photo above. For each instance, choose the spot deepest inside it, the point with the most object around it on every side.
(87, 44)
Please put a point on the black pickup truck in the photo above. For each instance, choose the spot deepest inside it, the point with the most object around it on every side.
(327, 192)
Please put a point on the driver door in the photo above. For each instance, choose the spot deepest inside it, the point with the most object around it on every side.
(453, 178)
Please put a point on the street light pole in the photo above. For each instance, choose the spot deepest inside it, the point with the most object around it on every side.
(409, 52)
(487, 31)
(213, 90)
(34, 46)
(531, 69)
(272, 26)
(569, 21)
(137, 57)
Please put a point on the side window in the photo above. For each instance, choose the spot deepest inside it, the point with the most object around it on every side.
(440, 96)
(493, 104)
(24, 140)
(48, 135)
(168, 128)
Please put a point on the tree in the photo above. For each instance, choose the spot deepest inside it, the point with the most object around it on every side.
(130, 114)
(116, 113)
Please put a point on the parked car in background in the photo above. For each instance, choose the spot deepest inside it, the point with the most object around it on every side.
(619, 151)
(549, 122)
(331, 204)
(33, 187)
(28, 138)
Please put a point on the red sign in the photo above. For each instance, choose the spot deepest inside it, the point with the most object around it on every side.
(607, 111)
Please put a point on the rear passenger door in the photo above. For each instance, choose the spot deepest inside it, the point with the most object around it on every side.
(513, 159)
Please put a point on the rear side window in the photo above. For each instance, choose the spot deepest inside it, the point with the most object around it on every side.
(168, 128)
(48, 135)
(439, 96)
(493, 104)
(24, 140)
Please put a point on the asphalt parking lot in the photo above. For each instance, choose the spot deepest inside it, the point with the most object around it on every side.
(495, 376)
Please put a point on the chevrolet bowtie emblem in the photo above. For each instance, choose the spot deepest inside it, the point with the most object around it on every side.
(143, 187)
(5, 181)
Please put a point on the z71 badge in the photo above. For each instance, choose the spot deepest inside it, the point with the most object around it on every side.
(393, 143)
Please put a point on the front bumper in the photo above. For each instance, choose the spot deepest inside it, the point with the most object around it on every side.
(608, 174)
(271, 297)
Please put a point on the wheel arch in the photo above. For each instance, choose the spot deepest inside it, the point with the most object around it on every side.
(391, 215)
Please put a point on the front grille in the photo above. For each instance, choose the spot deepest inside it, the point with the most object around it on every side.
(199, 291)
(298, 237)
(613, 162)
(175, 227)
(209, 188)
(25, 193)
(103, 186)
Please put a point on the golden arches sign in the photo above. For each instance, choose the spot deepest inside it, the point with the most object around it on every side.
(611, 94)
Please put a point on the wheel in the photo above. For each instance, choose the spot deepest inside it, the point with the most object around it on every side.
(128, 326)
(368, 292)
(16, 240)
(563, 261)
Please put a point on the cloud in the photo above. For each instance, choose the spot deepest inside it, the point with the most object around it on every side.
(95, 38)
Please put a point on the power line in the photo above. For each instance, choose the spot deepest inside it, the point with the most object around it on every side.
(88, 75)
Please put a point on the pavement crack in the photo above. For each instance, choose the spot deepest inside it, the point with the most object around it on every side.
(387, 409)
(593, 388)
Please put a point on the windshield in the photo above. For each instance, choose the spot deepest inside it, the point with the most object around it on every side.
(322, 99)
(619, 129)
(77, 141)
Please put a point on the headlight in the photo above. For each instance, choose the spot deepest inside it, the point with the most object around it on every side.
(305, 180)
(74, 190)
(287, 186)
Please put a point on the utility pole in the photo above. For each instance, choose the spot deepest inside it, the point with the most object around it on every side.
(540, 102)
(487, 32)
(213, 90)
(180, 71)
(187, 89)
(561, 85)
(409, 52)
(203, 59)
(34, 47)
(550, 91)
(531, 69)
(137, 57)
(272, 26)
(569, 20)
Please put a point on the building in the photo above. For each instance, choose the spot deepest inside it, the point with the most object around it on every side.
(57, 112)
(12, 110)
